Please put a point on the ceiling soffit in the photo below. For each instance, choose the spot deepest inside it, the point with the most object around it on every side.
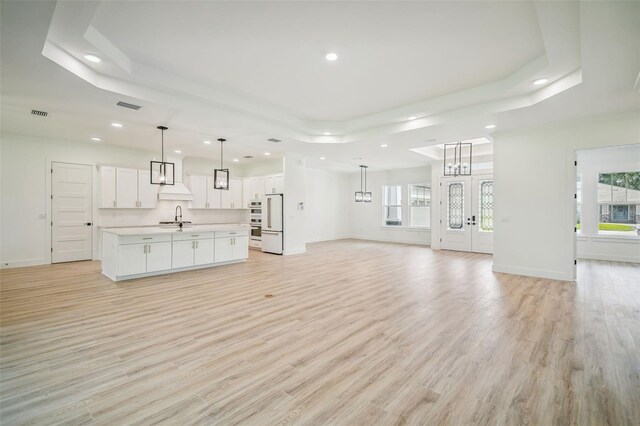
(72, 33)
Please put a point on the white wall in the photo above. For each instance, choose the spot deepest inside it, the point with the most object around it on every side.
(25, 195)
(295, 193)
(590, 164)
(256, 167)
(366, 218)
(534, 176)
(328, 205)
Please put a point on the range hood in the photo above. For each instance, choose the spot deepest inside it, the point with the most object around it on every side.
(178, 191)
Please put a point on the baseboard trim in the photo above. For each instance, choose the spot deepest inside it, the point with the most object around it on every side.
(23, 263)
(611, 258)
(391, 240)
(537, 273)
(292, 252)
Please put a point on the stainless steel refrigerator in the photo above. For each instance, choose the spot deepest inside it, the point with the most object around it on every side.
(272, 223)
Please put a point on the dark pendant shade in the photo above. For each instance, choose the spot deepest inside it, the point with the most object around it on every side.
(457, 159)
(363, 195)
(162, 172)
(221, 176)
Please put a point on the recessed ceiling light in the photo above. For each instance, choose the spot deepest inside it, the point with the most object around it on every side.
(327, 133)
(235, 160)
(96, 139)
(206, 142)
(177, 151)
(118, 125)
(267, 153)
(384, 145)
(412, 117)
(540, 81)
(331, 56)
(92, 58)
(322, 158)
(490, 126)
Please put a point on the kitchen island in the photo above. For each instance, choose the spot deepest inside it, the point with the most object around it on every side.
(137, 252)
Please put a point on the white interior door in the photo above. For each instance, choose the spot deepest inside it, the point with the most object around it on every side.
(71, 212)
(467, 213)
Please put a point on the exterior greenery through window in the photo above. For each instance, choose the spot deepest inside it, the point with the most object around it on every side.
(420, 205)
(619, 203)
(392, 207)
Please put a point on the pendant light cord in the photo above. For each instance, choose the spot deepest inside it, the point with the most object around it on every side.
(162, 150)
(365, 179)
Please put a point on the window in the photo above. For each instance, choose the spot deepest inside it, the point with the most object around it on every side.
(579, 204)
(455, 205)
(618, 203)
(420, 205)
(392, 208)
(485, 206)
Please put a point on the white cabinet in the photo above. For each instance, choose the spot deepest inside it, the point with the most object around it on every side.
(231, 246)
(125, 188)
(192, 249)
(232, 198)
(158, 256)
(274, 184)
(256, 188)
(143, 257)
(127, 256)
(204, 196)
(107, 187)
(147, 193)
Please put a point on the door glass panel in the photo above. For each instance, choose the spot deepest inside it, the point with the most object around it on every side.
(455, 205)
(486, 206)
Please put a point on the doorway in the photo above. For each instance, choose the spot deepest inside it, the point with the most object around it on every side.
(467, 213)
(71, 212)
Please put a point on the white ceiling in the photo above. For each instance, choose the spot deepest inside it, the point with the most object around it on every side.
(249, 71)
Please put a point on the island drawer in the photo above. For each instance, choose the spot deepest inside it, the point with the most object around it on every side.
(234, 233)
(182, 236)
(141, 239)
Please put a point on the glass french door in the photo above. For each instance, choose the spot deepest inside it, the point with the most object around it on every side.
(467, 213)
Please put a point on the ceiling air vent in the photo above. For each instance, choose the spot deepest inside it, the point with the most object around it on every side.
(274, 140)
(39, 113)
(128, 105)
(248, 156)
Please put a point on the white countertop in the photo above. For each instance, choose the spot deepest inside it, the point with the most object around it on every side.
(147, 230)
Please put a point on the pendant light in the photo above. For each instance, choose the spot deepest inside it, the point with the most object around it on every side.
(363, 195)
(221, 176)
(457, 159)
(162, 172)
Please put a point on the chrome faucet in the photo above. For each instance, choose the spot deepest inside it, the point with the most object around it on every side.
(176, 218)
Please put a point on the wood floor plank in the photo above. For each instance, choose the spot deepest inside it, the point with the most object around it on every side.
(356, 333)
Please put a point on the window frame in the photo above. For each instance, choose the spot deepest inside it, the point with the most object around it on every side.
(409, 206)
(385, 206)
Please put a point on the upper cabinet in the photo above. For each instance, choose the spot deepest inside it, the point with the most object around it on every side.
(125, 188)
(274, 184)
(206, 197)
(257, 185)
(232, 199)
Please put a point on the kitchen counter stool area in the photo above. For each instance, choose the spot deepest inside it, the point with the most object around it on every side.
(134, 253)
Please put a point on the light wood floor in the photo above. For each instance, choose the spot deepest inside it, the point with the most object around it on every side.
(355, 333)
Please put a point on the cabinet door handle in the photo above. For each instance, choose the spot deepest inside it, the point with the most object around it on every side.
(147, 238)
(149, 249)
(145, 248)
(114, 203)
(196, 244)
